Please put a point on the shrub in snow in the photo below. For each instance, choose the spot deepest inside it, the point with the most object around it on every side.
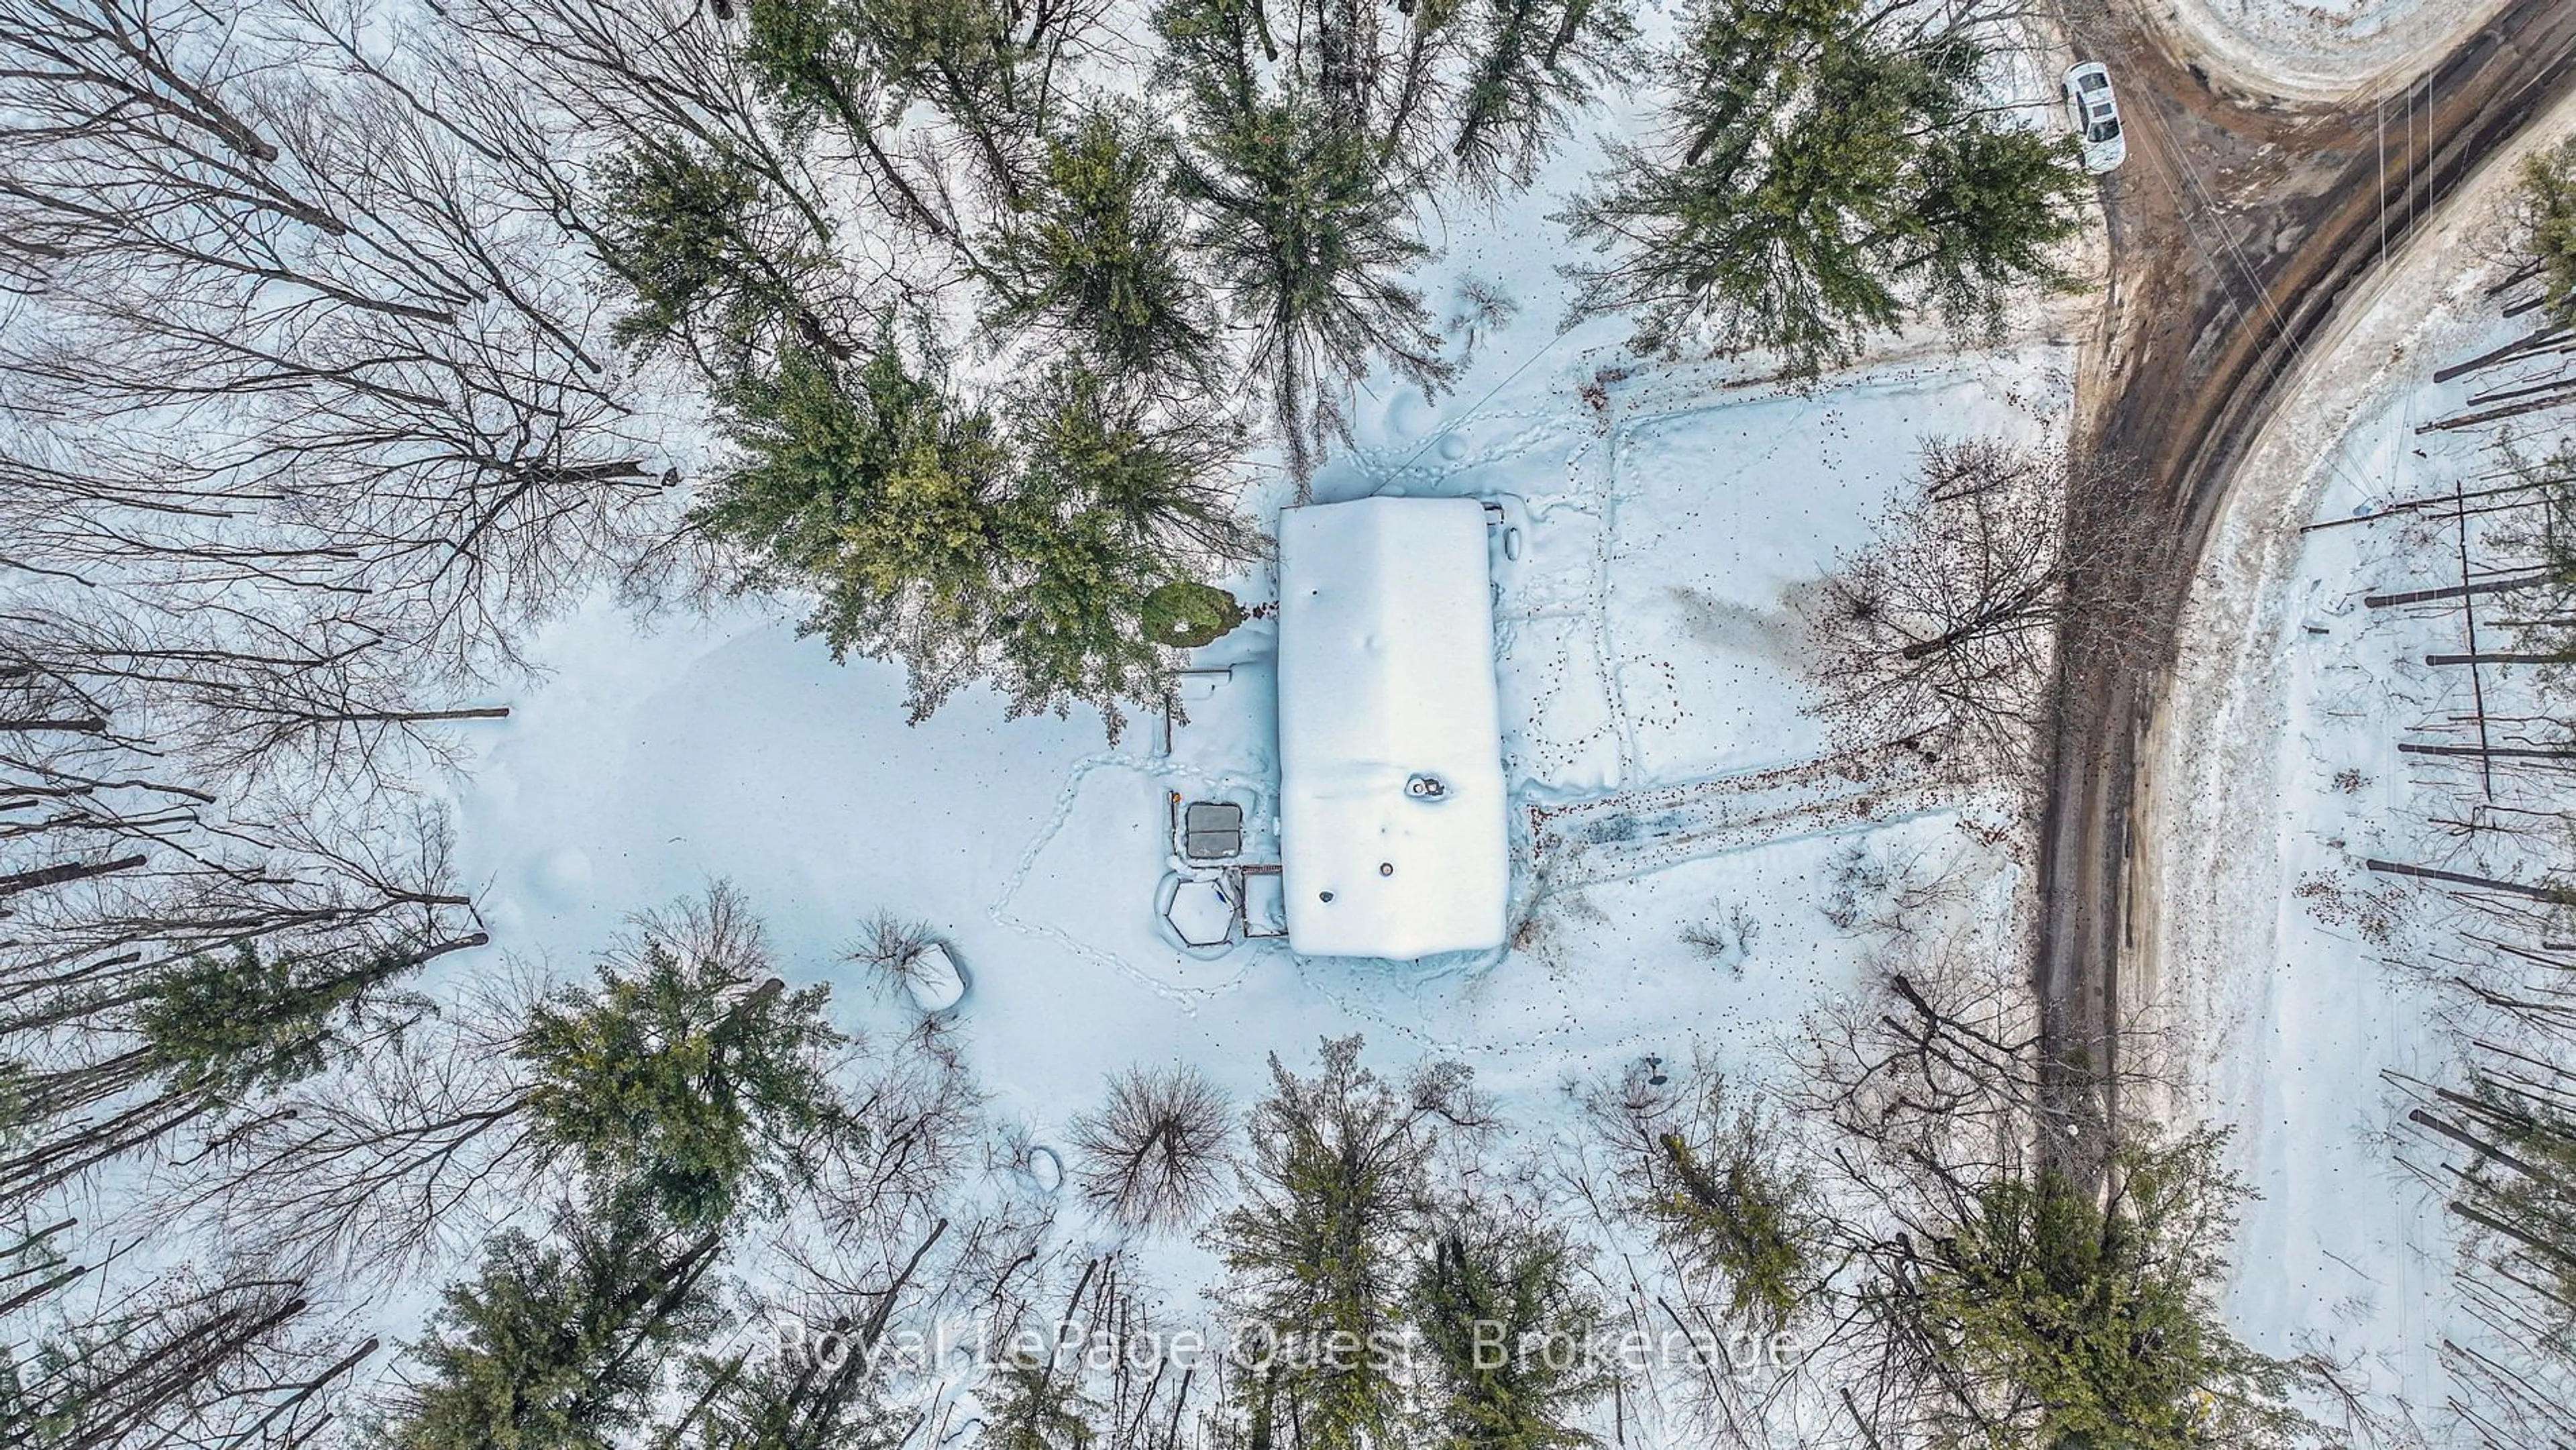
(1185, 615)
(1723, 943)
(903, 955)
(1857, 879)
(1707, 939)
(1893, 897)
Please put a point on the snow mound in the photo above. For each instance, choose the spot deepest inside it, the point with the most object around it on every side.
(933, 980)
(2324, 48)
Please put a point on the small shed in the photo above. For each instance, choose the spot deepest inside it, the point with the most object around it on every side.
(1393, 838)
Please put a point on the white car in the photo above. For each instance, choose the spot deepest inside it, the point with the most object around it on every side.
(2096, 116)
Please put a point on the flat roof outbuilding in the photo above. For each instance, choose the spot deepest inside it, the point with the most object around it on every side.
(1393, 825)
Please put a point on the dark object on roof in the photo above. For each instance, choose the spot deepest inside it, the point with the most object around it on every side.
(1212, 831)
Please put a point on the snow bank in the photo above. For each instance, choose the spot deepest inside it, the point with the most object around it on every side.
(2322, 49)
(934, 981)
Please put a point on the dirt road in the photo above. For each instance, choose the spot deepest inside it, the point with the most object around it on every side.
(2239, 226)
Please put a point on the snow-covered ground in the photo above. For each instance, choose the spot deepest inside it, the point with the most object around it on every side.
(2274, 772)
(2320, 48)
(1669, 521)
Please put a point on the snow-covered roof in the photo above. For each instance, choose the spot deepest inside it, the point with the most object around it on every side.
(1392, 811)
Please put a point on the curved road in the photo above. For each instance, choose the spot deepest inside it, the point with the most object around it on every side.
(2239, 226)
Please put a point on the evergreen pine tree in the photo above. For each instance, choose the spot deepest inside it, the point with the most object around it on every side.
(714, 255)
(1098, 258)
(808, 61)
(1511, 1335)
(1829, 167)
(2549, 202)
(868, 485)
(2062, 1319)
(231, 1023)
(556, 1347)
(1530, 65)
(1073, 631)
(1114, 502)
(805, 58)
(1991, 202)
(1306, 216)
(189, 1040)
(1034, 1405)
(929, 542)
(686, 1084)
(1319, 1252)
(983, 64)
(1738, 1216)
(1703, 1172)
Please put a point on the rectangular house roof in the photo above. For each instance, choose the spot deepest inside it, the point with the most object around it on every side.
(1393, 840)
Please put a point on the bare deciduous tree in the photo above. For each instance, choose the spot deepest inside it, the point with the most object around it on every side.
(1943, 642)
(1155, 1155)
(231, 1354)
(1937, 639)
(292, 332)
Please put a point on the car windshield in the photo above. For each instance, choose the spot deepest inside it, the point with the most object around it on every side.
(2103, 131)
(2095, 82)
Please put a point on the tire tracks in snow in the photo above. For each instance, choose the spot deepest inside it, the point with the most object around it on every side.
(1634, 833)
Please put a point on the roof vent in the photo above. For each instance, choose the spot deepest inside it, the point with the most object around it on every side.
(1424, 786)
